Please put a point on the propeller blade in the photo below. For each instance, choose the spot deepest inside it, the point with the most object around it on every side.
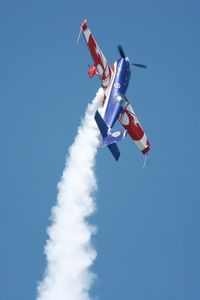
(140, 66)
(121, 51)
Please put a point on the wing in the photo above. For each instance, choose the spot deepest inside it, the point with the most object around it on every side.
(130, 122)
(103, 69)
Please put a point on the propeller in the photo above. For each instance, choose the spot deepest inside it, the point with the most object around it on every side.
(122, 54)
(139, 65)
(121, 51)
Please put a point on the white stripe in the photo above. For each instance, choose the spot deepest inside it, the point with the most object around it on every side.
(142, 143)
(87, 33)
(100, 70)
(105, 82)
(107, 71)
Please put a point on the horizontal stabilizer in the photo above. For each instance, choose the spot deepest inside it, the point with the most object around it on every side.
(109, 138)
(114, 150)
(101, 124)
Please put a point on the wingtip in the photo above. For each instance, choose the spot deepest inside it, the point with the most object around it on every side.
(82, 28)
(84, 25)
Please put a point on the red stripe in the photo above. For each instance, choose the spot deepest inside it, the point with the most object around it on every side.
(84, 26)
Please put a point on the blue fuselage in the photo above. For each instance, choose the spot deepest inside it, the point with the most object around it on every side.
(118, 91)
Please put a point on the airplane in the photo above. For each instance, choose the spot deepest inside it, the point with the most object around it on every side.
(115, 105)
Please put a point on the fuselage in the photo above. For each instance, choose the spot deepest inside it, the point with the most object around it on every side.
(118, 90)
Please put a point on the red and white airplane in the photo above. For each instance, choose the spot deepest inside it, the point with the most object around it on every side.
(114, 81)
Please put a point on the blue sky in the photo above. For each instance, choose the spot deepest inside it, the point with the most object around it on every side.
(148, 239)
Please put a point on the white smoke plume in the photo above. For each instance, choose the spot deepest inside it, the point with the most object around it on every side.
(68, 249)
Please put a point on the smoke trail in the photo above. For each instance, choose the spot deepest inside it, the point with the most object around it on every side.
(68, 250)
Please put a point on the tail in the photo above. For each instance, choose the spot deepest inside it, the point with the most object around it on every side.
(109, 137)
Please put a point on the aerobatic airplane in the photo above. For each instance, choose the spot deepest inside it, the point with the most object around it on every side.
(115, 106)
